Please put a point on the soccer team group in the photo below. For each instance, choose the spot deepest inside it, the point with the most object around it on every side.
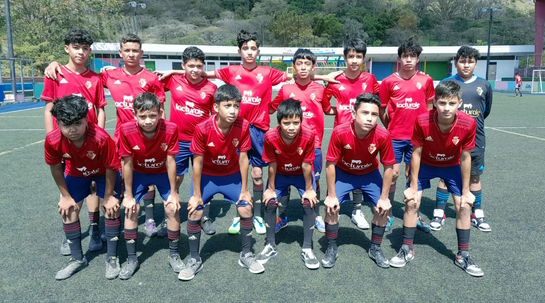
(438, 133)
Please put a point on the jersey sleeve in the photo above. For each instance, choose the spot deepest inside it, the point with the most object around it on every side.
(173, 146)
(469, 142)
(223, 74)
(326, 105)
(328, 92)
(487, 101)
(104, 76)
(246, 143)
(334, 148)
(277, 76)
(198, 142)
(48, 94)
(111, 161)
(125, 147)
(52, 156)
(376, 85)
(166, 82)
(387, 151)
(278, 99)
(158, 90)
(269, 155)
(100, 97)
(309, 155)
(384, 94)
(417, 139)
(430, 90)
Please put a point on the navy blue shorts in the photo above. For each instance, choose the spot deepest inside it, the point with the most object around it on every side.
(452, 176)
(80, 187)
(141, 182)
(229, 186)
(283, 182)
(256, 153)
(477, 163)
(318, 162)
(182, 158)
(403, 150)
(370, 184)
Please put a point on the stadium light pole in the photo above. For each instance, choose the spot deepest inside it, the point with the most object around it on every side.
(10, 52)
(136, 5)
(491, 9)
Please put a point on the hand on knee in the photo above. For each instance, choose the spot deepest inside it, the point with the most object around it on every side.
(245, 211)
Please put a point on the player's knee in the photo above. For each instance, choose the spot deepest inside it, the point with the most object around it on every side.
(332, 218)
(244, 211)
(395, 175)
(379, 220)
(257, 174)
(170, 210)
(195, 216)
(474, 179)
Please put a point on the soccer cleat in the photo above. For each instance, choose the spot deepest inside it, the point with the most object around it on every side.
(280, 223)
(329, 258)
(235, 226)
(65, 248)
(112, 268)
(207, 226)
(95, 243)
(389, 225)
(128, 269)
(248, 261)
(477, 220)
(266, 254)
(464, 261)
(359, 220)
(319, 224)
(175, 263)
(422, 225)
(150, 228)
(438, 219)
(191, 269)
(404, 256)
(309, 258)
(162, 229)
(71, 268)
(376, 254)
(259, 225)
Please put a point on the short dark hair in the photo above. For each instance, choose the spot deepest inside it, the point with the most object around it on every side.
(70, 109)
(227, 92)
(304, 53)
(130, 38)
(366, 98)
(355, 44)
(409, 46)
(193, 52)
(79, 36)
(146, 101)
(467, 52)
(448, 89)
(245, 37)
(289, 108)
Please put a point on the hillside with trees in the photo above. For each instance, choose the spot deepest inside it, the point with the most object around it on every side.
(39, 26)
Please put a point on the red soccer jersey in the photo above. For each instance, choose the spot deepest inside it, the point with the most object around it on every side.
(256, 88)
(359, 156)
(289, 158)
(190, 104)
(219, 151)
(87, 85)
(346, 91)
(97, 153)
(443, 149)
(125, 87)
(518, 80)
(405, 100)
(312, 103)
(149, 156)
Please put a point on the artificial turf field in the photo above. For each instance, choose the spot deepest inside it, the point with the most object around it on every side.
(31, 232)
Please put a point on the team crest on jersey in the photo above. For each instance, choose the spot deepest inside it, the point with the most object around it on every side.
(67, 156)
(235, 142)
(259, 78)
(91, 154)
(88, 84)
(164, 146)
(312, 96)
(372, 148)
(418, 85)
(479, 90)
(203, 95)
(299, 151)
(364, 86)
(142, 82)
(455, 140)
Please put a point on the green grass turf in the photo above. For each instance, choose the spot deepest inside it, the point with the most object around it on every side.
(509, 255)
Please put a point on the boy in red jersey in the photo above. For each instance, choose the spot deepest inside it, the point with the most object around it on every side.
(220, 148)
(352, 83)
(443, 139)
(124, 84)
(191, 102)
(405, 95)
(352, 164)
(518, 84)
(309, 94)
(89, 154)
(290, 151)
(76, 79)
(148, 148)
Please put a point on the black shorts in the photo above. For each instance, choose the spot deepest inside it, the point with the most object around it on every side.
(477, 163)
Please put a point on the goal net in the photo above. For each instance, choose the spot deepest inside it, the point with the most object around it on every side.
(538, 76)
